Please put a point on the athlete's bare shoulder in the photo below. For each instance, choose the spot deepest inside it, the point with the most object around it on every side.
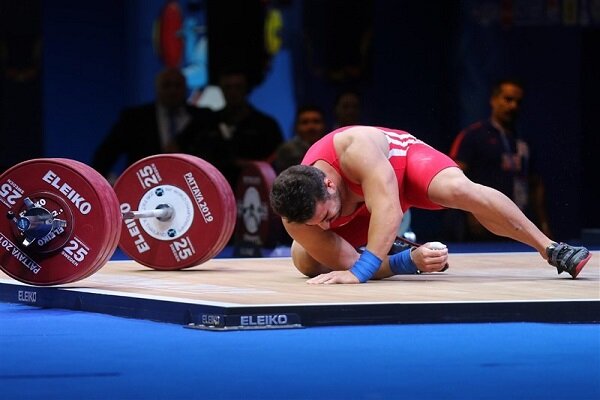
(359, 137)
(362, 148)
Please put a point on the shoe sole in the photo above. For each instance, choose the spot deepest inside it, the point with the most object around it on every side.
(580, 266)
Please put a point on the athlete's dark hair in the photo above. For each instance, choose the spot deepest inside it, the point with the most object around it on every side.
(296, 191)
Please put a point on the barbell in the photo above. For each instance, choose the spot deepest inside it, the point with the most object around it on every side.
(167, 212)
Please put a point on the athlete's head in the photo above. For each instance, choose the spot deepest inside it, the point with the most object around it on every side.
(296, 192)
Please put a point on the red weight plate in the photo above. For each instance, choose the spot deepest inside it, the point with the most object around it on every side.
(110, 203)
(104, 243)
(228, 199)
(109, 211)
(64, 254)
(112, 216)
(257, 224)
(228, 203)
(192, 187)
(230, 223)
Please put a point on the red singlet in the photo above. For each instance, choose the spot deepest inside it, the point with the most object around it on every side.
(415, 164)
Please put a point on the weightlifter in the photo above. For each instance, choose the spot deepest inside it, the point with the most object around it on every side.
(353, 187)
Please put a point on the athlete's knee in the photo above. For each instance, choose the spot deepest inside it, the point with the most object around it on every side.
(473, 197)
(305, 263)
(451, 188)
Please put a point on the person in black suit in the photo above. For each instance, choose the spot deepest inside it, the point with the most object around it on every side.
(245, 132)
(153, 128)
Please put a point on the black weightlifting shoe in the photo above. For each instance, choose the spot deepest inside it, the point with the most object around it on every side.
(567, 258)
(396, 248)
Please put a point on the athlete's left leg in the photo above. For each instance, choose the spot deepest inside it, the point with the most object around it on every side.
(495, 211)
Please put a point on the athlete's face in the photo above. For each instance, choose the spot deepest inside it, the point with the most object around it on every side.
(506, 104)
(326, 210)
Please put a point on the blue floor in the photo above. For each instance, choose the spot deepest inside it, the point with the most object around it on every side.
(57, 354)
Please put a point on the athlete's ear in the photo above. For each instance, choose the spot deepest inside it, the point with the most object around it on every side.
(329, 185)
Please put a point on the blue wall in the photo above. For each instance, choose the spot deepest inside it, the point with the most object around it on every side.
(97, 58)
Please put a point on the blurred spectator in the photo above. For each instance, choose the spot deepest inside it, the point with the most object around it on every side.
(491, 153)
(309, 126)
(347, 109)
(246, 133)
(153, 128)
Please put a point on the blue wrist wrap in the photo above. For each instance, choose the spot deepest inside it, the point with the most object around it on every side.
(366, 266)
(402, 264)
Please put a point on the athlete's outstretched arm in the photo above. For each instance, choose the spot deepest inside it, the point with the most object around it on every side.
(365, 160)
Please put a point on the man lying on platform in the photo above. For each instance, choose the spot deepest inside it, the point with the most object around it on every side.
(353, 187)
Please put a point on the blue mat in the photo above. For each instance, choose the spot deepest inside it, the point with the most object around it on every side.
(58, 354)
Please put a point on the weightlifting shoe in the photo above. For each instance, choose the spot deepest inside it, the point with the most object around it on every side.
(567, 258)
(396, 248)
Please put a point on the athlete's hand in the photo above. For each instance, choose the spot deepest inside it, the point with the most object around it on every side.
(430, 260)
(333, 277)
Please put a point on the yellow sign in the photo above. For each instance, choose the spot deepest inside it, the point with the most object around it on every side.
(273, 25)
